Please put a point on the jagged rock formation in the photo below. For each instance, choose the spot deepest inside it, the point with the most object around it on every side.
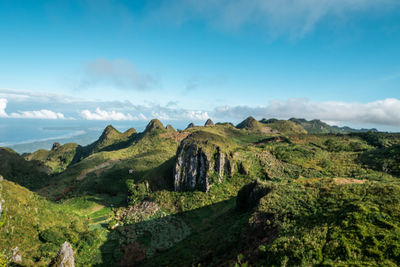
(154, 124)
(64, 257)
(222, 165)
(191, 125)
(55, 146)
(195, 162)
(209, 122)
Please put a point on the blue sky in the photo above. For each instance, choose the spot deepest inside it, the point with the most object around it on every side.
(336, 60)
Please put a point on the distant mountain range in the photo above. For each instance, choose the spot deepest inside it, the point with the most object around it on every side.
(312, 126)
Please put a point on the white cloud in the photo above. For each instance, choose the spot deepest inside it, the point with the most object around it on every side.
(118, 73)
(3, 105)
(293, 17)
(161, 115)
(196, 115)
(35, 114)
(380, 112)
(112, 115)
(32, 96)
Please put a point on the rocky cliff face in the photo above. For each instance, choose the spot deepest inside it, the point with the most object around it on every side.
(195, 164)
(64, 257)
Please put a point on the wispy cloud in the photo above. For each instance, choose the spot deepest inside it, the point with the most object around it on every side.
(293, 17)
(380, 112)
(112, 115)
(35, 114)
(32, 96)
(197, 82)
(120, 74)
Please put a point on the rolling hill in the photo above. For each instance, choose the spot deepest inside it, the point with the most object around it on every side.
(269, 192)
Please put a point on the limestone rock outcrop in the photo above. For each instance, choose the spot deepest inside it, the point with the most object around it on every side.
(191, 125)
(64, 257)
(195, 164)
(209, 122)
(55, 146)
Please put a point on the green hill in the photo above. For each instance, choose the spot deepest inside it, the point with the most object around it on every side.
(283, 126)
(317, 126)
(181, 198)
(31, 174)
(57, 159)
(37, 228)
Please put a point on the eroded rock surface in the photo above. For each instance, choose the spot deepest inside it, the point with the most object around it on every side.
(209, 122)
(64, 257)
(195, 163)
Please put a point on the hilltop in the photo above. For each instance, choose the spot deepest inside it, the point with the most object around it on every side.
(263, 192)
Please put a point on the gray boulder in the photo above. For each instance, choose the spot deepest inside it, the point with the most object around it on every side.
(64, 257)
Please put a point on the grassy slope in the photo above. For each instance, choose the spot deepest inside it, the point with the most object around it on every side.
(97, 187)
(30, 174)
(57, 159)
(329, 222)
(38, 228)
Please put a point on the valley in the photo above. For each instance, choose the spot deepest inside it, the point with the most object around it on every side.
(261, 193)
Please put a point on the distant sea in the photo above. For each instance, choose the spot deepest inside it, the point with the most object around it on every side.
(24, 135)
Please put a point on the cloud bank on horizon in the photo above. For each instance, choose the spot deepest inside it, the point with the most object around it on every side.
(381, 113)
(34, 114)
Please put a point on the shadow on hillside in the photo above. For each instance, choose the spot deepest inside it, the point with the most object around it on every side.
(204, 235)
(83, 152)
(115, 184)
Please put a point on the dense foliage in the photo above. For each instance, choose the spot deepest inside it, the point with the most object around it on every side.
(320, 198)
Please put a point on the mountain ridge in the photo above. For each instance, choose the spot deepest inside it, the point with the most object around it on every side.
(178, 198)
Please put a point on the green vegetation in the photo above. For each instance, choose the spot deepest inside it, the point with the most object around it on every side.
(326, 222)
(57, 159)
(283, 126)
(38, 228)
(321, 198)
(30, 174)
(319, 127)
